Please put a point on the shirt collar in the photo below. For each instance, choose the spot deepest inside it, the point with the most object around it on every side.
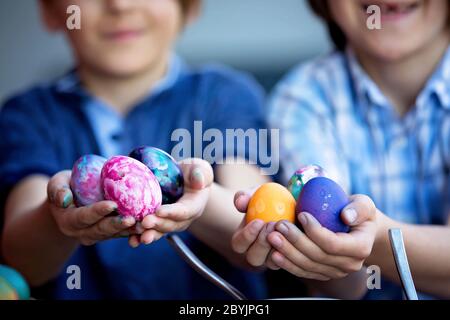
(71, 83)
(365, 87)
(438, 84)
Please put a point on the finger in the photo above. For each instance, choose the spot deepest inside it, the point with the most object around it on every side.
(259, 250)
(269, 262)
(358, 243)
(136, 229)
(283, 246)
(189, 206)
(134, 241)
(151, 236)
(58, 189)
(108, 227)
(241, 200)
(360, 209)
(287, 265)
(197, 173)
(246, 235)
(164, 225)
(306, 246)
(84, 217)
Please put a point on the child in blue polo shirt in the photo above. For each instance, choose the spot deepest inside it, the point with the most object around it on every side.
(128, 89)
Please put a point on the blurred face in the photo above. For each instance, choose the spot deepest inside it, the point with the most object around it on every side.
(407, 25)
(119, 37)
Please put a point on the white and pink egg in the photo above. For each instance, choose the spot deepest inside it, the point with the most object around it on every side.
(132, 186)
(124, 180)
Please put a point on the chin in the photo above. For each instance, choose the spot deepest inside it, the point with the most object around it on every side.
(124, 67)
(390, 50)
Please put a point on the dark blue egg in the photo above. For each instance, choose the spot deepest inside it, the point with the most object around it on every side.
(324, 199)
(166, 170)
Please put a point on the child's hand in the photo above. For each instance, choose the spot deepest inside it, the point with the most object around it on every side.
(319, 254)
(251, 239)
(90, 224)
(198, 177)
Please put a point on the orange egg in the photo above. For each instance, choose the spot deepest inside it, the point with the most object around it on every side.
(271, 202)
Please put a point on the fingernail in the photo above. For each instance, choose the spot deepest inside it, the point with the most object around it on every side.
(134, 245)
(197, 176)
(67, 199)
(148, 241)
(303, 219)
(256, 225)
(350, 215)
(270, 227)
(276, 241)
(283, 228)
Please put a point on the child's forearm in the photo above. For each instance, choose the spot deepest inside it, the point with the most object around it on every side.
(428, 250)
(218, 223)
(31, 240)
(221, 219)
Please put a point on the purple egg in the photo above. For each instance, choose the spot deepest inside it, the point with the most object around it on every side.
(85, 180)
(324, 199)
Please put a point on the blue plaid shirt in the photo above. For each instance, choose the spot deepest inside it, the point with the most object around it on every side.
(331, 113)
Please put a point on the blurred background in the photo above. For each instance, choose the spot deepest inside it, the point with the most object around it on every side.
(263, 37)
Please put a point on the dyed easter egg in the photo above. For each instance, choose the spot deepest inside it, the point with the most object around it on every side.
(132, 186)
(302, 176)
(271, 202)
(324, 199)
(85, 180)
(13, 284)
(165, 169)
(7, 292)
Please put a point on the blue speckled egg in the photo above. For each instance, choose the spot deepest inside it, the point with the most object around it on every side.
(85, 180)
(302, 176)
(166, 170)
(324, 199)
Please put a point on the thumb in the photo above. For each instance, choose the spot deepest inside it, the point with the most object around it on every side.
(197, 173)
(360, 209)
(58, 189)
(242, 199)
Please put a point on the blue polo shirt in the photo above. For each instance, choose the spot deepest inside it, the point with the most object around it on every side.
(45, 129)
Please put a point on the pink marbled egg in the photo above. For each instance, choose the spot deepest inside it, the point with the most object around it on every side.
(132, 186)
